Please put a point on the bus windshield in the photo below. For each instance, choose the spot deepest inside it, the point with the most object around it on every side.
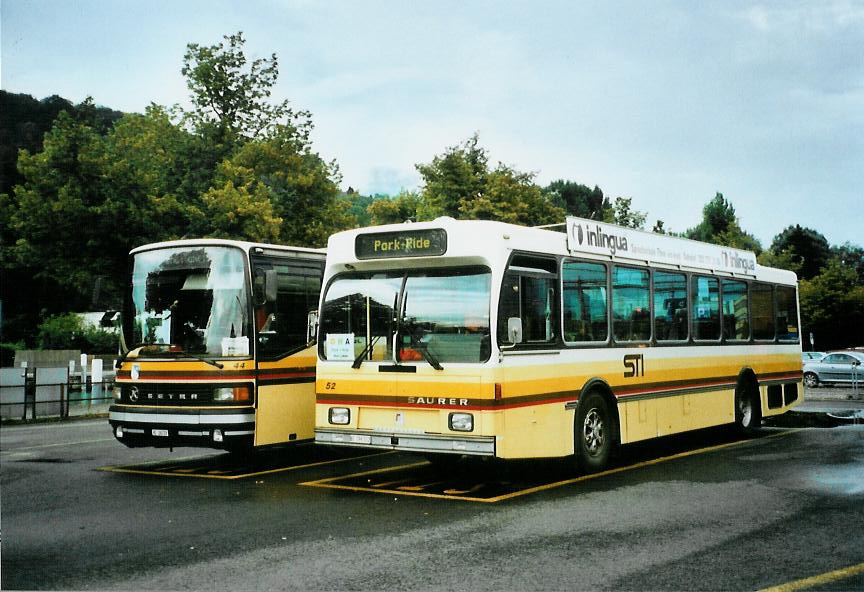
(189, 300)
(443, 316)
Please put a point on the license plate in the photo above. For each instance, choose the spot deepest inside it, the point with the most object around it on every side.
(160, 433)
(358, 439)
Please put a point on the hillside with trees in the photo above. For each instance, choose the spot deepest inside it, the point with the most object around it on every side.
(82, 184)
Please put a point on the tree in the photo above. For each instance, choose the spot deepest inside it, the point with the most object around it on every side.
(301, 187)
(578, 200)
(807, 249)
(623, 214)
(460, 184)
(231, 95)
(832, 306)
(451, 179)
(394, 210)
(720, 226)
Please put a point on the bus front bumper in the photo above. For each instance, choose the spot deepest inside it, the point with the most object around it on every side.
(161, 428)
(471, 445)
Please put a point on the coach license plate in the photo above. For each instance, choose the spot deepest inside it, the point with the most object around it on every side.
(358, 439)
(160, 433)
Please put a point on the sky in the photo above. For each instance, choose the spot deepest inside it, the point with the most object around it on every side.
(664, 102)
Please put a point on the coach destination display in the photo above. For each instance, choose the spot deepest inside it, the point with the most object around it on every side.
(416, 243)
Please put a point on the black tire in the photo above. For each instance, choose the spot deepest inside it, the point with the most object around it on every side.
(748, 408)
(593, 433)
(811, 380)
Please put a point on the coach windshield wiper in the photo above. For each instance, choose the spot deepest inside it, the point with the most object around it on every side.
(184, 354)
(417, 344)
(358, 361)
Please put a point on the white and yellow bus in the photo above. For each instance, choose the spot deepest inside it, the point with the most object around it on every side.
(490, 339)
(218, 345)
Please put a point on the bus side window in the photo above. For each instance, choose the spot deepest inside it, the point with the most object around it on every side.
(282, 325)
(762, 309)
(530, 294)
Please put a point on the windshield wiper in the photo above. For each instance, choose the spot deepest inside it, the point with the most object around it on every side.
(421, 347)
(358, 361)
(123, 358)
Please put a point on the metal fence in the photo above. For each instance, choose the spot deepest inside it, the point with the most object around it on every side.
(30, 393)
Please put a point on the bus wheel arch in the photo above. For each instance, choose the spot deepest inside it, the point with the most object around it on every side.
(748, 402)
(596, 429)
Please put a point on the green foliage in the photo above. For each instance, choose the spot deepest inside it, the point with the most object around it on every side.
(302, 188)
(230, 94)
(832, 306)
(7, 352)
(460, 184)
(68, 331)
(578, 200)
(720, 226)
(394, 210)
(807, 250)
(623, 214)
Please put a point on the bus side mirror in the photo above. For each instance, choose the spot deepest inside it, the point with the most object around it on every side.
(311, 326)
(514, 330)
(265, 286)
(271, 285)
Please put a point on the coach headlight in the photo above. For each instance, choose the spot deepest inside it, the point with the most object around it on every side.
(232, 394)
(461, 422)
(340, 415)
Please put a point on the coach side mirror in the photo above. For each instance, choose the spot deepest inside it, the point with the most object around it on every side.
(265, 286)
(311, 326)
(514, 330)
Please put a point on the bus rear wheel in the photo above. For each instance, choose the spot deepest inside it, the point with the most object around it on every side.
(593, 433)
(748, 412)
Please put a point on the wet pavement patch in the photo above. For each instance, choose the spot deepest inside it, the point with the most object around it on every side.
(235, 466)
(814, 419)
(495, 481)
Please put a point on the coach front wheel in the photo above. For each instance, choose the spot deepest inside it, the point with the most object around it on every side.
(593, 433)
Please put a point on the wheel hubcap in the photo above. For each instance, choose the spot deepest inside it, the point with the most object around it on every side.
(746, 411)
(592, 432)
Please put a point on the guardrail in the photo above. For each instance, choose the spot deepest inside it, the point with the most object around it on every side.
(27, 394)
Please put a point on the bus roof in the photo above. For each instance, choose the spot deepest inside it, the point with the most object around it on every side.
(419, 242)
(212, 242)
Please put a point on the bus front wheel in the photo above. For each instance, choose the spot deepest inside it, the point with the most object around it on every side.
(593, 433)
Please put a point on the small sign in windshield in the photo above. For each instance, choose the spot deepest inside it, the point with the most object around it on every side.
(415, 243)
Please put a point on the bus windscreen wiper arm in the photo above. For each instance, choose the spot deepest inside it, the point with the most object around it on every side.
(358, 361)
(123, 358)
(420, 346)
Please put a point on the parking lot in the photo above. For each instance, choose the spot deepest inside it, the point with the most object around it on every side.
(703, 511)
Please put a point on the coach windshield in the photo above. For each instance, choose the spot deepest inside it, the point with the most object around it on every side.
(189, 300)
(431, 315)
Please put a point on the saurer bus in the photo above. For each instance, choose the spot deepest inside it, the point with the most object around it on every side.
(489, 339)
(217, 345)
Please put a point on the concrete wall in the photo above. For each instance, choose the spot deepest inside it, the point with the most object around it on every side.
(50, 358)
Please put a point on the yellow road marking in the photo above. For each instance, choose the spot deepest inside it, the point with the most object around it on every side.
(419, 487)
(215, 475)
(388, 483)
(477, 487)
(825, 578)
(328, 483)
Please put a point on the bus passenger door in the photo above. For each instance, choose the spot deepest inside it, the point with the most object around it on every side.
(285, 402)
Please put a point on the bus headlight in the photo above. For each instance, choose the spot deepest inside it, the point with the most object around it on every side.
(340, 415)
(232, 394)
(461, 422)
